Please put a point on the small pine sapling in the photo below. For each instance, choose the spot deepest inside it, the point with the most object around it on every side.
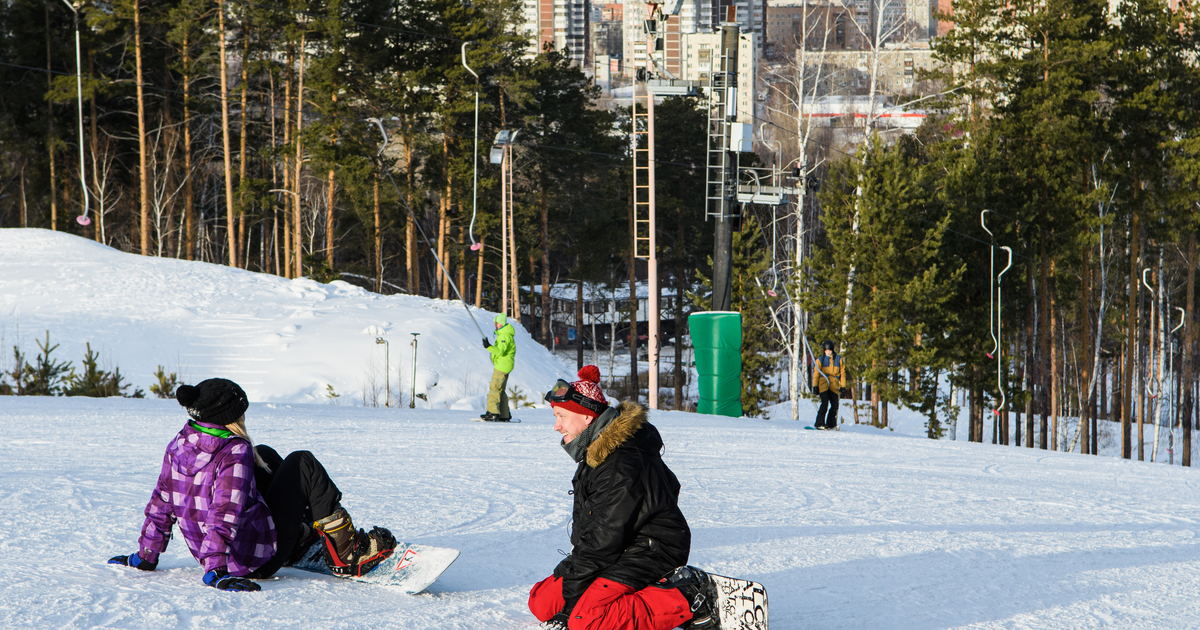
(166, 383)
(45, 377)
(18, 370)
(95, 382)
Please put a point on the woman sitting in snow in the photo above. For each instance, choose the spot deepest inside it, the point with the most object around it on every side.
(243, 510)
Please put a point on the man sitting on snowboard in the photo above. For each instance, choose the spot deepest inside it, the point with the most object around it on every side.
(629, 539)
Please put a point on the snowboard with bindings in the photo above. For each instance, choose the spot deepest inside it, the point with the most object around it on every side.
(509, 421)
(740, 604)
(410, 567)
(812, 428)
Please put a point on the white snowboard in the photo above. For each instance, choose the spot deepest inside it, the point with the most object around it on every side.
(410, 567)
(741, 604)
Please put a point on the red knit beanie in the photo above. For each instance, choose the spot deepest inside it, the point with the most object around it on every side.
(588, 385)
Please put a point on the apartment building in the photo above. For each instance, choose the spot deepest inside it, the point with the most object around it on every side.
(563, 24)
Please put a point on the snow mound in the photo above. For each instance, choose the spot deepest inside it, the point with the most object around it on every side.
(282, 340)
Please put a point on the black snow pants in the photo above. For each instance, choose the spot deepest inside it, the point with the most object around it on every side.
(829, 403)
(298, 491)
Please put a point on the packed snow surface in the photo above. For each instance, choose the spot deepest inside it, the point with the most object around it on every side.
(857, 529)
(845, 530)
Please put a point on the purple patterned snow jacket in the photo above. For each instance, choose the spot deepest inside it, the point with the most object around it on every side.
(207, 486)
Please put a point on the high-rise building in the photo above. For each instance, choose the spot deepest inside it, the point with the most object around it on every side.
(700, 54)
(690, 17)
(562, 24)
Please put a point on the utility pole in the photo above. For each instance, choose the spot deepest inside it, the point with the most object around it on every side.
(644, 223)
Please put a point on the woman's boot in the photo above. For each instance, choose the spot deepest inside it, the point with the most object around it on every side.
(351, 552)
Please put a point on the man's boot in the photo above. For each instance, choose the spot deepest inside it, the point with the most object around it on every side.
(351, 552)
(695, 586)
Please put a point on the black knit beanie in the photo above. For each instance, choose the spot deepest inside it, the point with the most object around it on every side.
(214, 401)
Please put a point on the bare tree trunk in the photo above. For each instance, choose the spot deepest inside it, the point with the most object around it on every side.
(512, 242)
(98, 231)
(462, 264)
(331, 187)
(274, 255)
(1029, 381)
(1131, 324)
(329, 244)
(547, 331)
(230, 225)
(189, 193)
(410, 232)
(1189, 341)
(241, 209)
(378, 238)
(298, 254)
(50, 118)
(1085, 320)
(443, 207)
(143, 194)
(678, 369)
(1045, 339)
(1055, 384)
(288, 200)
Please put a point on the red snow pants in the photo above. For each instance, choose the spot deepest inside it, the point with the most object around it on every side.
(608, 605)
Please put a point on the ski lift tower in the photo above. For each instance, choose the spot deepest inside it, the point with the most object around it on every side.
(650, 81)
(726, 189)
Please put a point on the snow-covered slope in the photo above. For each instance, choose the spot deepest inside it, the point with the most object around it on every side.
(282, 340)
(860, 529)
(846, 530)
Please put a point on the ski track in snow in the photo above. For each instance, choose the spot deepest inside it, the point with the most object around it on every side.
(845, 530)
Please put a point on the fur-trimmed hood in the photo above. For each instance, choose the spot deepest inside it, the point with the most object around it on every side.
(630, 417)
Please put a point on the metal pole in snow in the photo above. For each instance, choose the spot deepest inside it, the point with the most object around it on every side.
(412, 399)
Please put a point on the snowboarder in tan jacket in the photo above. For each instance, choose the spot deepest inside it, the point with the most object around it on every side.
(828, 379)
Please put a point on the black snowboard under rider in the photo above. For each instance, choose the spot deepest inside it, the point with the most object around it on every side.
(829, 401)
(298, 491)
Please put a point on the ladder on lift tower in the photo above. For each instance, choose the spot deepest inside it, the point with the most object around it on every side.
(721, 166)
(643, 158)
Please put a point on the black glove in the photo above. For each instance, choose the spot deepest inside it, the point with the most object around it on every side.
(220, 578)
(844, 392)
(557, 622)
(486, 344)
(816, 390)
(132, 560)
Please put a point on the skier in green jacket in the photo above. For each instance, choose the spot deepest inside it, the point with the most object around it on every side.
(504, 355)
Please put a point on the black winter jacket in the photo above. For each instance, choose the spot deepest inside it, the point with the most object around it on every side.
(627, 524)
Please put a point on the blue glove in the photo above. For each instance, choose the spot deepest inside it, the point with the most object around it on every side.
(132, 560)
(220, 578)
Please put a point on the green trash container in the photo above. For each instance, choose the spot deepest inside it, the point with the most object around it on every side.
(717, 340)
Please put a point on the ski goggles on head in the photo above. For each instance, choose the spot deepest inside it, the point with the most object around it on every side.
(563, 392)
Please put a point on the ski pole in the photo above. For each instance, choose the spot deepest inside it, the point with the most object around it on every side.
(412, 215)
